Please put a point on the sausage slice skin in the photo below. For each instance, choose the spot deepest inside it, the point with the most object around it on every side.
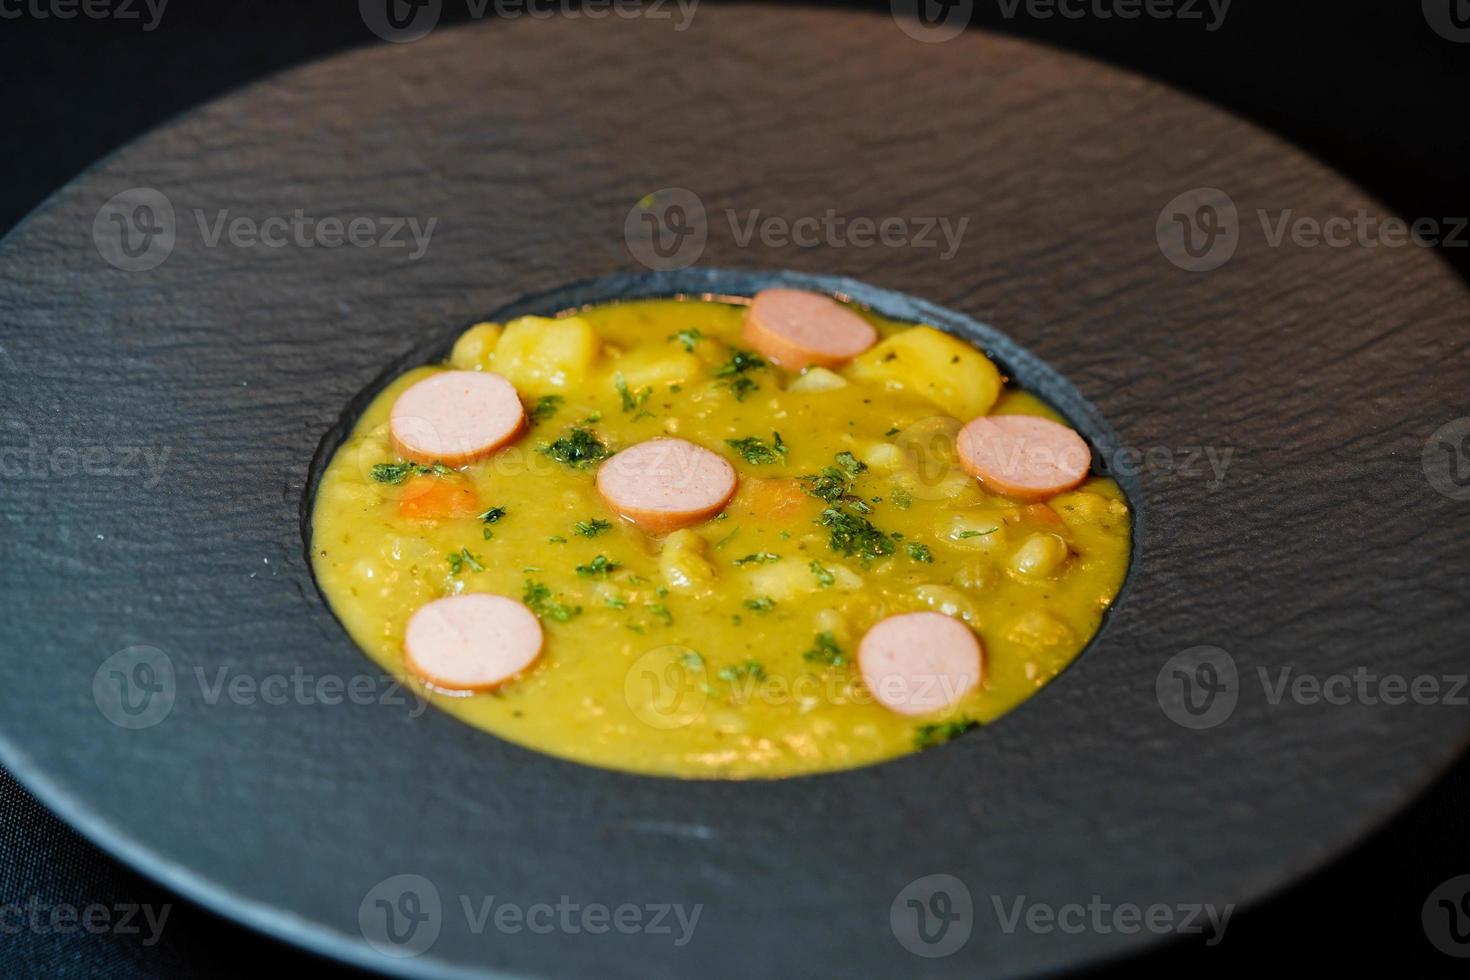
(471, 642)
(455, 418)
(795, 329)
(1023, 456)
(921, 662)
(665, 484)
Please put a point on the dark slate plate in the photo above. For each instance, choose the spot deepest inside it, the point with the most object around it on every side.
(1334, 541)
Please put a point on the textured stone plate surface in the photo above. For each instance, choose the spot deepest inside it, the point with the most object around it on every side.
(172, 675)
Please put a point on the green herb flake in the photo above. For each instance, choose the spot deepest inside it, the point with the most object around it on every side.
(919, 552)
(826, 651)
(693, 660)
(850, 463)
(546, 406)
(592, 528)
(688, 337)
(928, 736)
(824, 577)
(632, 400)
(537, 597)
(757, 451)
(762, 604)
(736, 672)
(736, 369)
(615, 602)
(976, 534)
(759, 558)
(579, 449)
(493, 515)
(900, 498)
(598, 567)
(659, 610)
(851, 535)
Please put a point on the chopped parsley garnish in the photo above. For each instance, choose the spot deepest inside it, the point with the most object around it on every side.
(850, 534)
(395, 473)
(976, 534)
(615, 602)
(692, 659)
(556, 539)
(826, 651)
(850, 463)
(893, 431)
(737, 369)
(927, 736)
(900, 498)
(537, 598)
(546, 406)
(661, 611)
(829, 485)
(592, 528)
(751, 669)
(493, 515)
(756, 451)
(632, 400)
(824, 577)
(763, 604)
(579, 449)
(759, 558)
(458, 560)
(598, 567)
(919, 552)
(688, 337)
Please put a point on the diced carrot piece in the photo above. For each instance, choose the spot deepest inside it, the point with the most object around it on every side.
(437, 498)
(776, 498)
(1043, 514)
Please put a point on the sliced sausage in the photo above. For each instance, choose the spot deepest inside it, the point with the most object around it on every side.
(795, 329)
(1023, 456)
(665, 484)
(456, 417)
(471, 642)
(915, 663)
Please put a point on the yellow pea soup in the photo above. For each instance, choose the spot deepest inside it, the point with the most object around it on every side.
(726, 650)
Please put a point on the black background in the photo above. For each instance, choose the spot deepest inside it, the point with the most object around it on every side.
(1369, 87)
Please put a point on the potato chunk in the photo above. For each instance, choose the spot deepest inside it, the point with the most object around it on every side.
(933, 365)
(683, 564)
(475, 347)
(652, 365)
(540, 355)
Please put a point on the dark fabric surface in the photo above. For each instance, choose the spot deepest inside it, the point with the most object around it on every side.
(1367, 86)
